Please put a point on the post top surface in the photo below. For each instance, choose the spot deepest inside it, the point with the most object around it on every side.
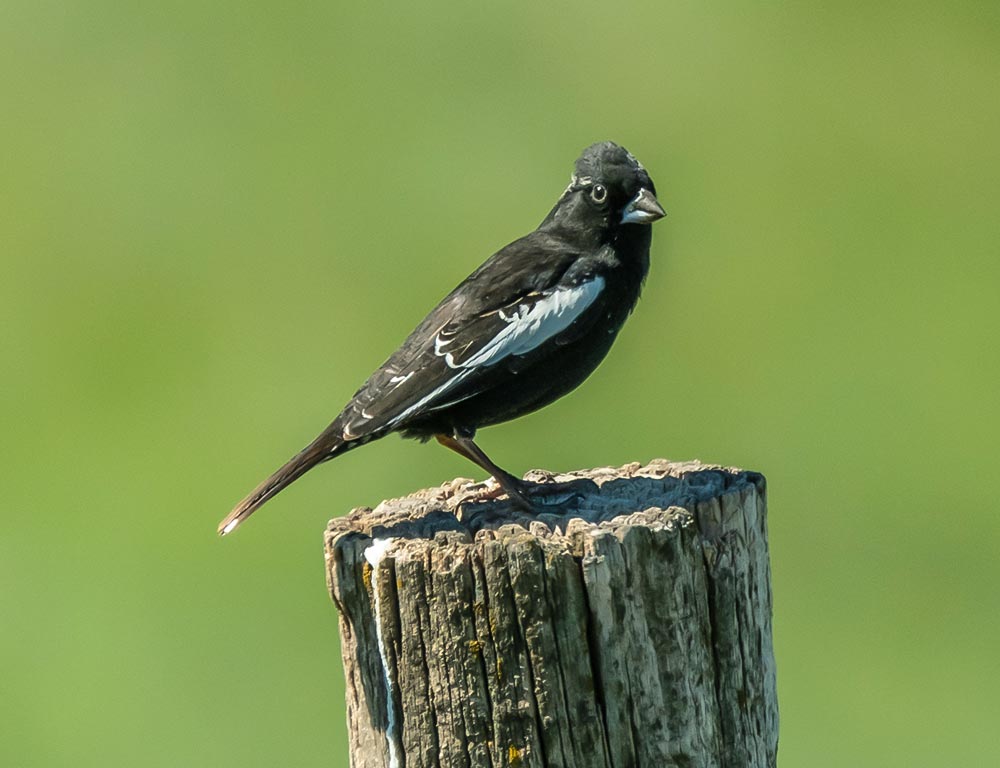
(655, 493)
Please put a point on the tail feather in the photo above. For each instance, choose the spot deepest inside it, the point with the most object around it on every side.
(323, 448)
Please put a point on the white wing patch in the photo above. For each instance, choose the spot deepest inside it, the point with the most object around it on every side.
(529, 326)
(399, 380)
(428, 398)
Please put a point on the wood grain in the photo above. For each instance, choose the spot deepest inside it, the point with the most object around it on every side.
(630, 629)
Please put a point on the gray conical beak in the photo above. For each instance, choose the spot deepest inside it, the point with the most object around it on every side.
(643, 209)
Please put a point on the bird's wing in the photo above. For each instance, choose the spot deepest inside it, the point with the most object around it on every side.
(525, 295)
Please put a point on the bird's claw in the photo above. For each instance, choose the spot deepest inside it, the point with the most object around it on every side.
(528, 495)
(559, 495)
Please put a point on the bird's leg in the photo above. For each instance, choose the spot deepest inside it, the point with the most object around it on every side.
(520, 491)
(464, 446)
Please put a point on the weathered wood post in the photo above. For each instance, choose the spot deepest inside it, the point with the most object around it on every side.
(631, 632)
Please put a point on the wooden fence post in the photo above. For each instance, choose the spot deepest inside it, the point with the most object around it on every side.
(631, 632)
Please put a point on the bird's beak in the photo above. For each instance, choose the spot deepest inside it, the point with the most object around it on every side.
(643, 209)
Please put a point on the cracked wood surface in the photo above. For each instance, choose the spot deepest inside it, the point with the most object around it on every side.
(631, 632)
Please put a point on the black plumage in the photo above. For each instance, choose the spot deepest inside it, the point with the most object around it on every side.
(525, 328)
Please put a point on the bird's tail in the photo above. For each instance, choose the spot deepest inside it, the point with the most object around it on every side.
(323, 448)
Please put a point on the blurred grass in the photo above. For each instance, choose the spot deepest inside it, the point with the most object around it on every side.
(215, 220)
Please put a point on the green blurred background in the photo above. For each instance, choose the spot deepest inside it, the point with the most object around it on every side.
(216, 219)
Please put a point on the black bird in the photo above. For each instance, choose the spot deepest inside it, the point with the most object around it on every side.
(521, 331)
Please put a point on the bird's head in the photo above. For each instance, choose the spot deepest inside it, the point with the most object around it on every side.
(610, 189)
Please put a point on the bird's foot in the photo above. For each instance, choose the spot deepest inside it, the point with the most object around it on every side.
(551, 493)
(531, 496)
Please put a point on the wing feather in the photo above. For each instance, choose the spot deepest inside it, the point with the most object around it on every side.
(506, 309)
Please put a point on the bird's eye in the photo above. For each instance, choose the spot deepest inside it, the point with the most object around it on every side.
(598, 193)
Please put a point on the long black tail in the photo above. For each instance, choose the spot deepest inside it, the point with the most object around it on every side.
(329, 444)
